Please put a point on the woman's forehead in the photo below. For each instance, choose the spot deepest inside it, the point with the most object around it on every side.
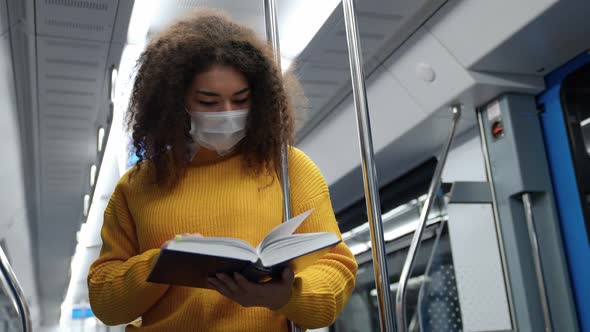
(220, 79)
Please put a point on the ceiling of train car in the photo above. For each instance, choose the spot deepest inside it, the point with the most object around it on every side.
(76, 42)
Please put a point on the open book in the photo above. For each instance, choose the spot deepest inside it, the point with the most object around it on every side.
(189, 260)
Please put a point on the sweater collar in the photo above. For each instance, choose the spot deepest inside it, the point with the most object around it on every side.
(206, 157)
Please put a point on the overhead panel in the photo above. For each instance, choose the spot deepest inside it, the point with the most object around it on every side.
(421, 54)
(383, 26)
(3, 18)
(76, 19)
(70, 77)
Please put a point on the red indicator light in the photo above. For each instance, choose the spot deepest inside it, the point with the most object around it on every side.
(497, 129)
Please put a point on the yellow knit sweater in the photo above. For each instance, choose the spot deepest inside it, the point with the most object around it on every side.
(215, 199)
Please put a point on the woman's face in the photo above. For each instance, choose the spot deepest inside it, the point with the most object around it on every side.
(219, 89)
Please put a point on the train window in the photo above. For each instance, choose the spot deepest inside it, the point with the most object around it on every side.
(432, 299)
(585, 124)
(575, 98)
(410, 185)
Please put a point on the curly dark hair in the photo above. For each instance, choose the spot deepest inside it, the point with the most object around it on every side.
(165, 71)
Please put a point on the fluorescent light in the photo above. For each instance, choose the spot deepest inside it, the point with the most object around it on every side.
(100, 138)
(400, 210)
(86, 204)
(141, 18)
(385, 218)
(92, 175)
(114, 73)
(285, 64)
(400, 231)
(356, 231)
(585, 122)
(413, 283)
(90, 322)
(303, 20)
(408, 228)
(358, 248)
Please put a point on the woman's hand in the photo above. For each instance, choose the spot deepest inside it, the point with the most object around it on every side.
(273, 294)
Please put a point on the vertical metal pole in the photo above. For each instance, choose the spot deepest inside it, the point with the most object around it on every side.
(530, 222)
(400, 298)
(368, 166)
(418, 313)
(272, 35)
(489, 178)
(16, 295)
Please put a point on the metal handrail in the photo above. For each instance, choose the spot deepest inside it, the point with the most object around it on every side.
(536, 253)
(400, 298)
(439, 231)
(272, 36)
(16, 295)
(359, 94)
(497, 225)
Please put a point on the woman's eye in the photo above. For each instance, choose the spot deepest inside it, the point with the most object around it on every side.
(241, 101)
(207, 103)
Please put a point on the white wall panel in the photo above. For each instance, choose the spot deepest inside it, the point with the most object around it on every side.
(392, 113)
(471, 29)
(478, 268)
(422, 52)
(465, 161)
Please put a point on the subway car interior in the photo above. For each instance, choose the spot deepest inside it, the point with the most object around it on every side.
(454, 137)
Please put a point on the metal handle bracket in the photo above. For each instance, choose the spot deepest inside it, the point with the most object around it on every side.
(400, 298)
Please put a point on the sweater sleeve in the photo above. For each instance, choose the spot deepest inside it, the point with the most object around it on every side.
(117, 286)
(321, 290)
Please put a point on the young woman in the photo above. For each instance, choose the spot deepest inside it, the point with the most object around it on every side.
(209, 113)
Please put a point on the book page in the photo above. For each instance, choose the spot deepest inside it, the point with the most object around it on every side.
(284, 229)
(214, 246)
(298, 245)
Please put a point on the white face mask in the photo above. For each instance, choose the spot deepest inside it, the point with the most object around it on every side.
(218, 131)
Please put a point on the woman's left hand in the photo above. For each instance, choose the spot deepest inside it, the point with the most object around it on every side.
(273, 294)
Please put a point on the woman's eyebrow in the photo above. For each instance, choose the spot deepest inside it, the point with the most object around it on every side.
(207, 93)
(214, 94)
(244, 90)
